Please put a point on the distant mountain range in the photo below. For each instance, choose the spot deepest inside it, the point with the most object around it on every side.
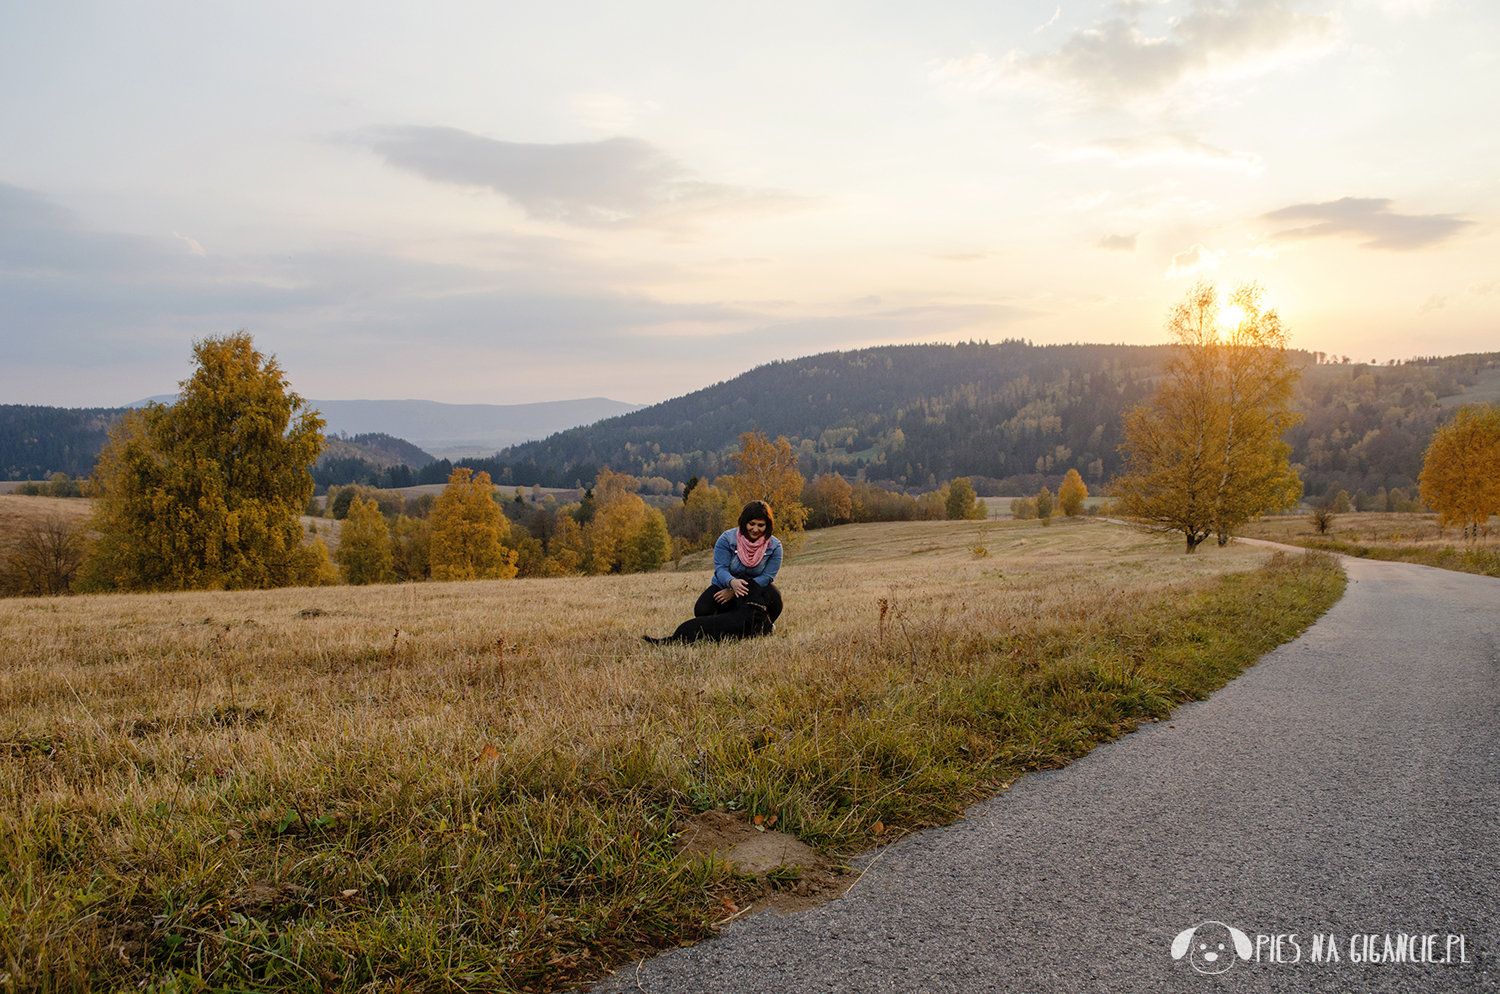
(456, 430)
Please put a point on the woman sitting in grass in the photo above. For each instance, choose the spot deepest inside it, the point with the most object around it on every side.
(746, 559)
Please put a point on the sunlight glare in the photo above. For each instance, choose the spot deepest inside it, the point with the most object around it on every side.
(1231, 316)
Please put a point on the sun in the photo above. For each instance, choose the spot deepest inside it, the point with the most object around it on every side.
(1231, 316)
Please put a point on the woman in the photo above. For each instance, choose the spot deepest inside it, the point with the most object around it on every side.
(746, 560)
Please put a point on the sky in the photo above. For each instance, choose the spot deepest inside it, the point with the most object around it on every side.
(518, 202)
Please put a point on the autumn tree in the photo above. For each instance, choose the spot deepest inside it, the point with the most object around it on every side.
(1205, 454)
(467, 527)
(206, 493)
(706, 512)
(411, 548)
(649, 547)
(1045, 503)
(566, 546)
(828, 500)
(1071, 493)
(766, 470)
(618, 514)
(1461, 473)
(365, 554)
(961, 503)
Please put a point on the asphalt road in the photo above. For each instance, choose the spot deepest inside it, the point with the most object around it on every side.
(1347, 785)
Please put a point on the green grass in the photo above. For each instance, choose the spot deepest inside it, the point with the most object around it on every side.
(452, 820)
(1481, 560)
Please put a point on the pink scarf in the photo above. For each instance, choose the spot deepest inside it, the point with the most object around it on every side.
(751, 553)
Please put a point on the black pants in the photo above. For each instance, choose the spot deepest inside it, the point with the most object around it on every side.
(768, 596)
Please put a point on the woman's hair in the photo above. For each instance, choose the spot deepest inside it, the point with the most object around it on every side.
(757, 509)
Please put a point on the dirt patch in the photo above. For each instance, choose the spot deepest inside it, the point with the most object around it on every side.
(789, 875)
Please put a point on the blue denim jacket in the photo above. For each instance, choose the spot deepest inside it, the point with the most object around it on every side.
(727, 565)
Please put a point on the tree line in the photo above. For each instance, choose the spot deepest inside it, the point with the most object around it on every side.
(205, 493)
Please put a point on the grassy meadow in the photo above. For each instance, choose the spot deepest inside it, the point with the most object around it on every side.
(474, 786)
(1393, 537)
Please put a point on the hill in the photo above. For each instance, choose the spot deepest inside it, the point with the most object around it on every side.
(36, 442)
(910, 415)
(1012, 416)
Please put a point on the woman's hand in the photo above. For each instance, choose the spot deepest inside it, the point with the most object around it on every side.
(740, 587)
(724, 596)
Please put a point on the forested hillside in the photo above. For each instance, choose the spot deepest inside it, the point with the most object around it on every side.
(36, 442)
(1011, 416)
(912, 415)
(373, 459)
(1367, 428)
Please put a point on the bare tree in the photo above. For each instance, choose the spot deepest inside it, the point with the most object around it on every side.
(46, 558)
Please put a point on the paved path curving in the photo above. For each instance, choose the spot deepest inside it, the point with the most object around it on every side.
(1348, 784)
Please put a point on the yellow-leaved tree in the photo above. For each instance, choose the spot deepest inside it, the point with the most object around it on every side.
(766, 470)
(1205, 453)
(619, 514)
(1461, 472)
(1071, 493)
(205, 493)
(650, 546)
(365, 554)
(961, 504)
(467, 527)
(829, 501)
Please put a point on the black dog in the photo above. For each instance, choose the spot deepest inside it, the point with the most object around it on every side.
(747, 620)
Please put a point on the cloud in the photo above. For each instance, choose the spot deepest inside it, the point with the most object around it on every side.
(1194, 260)
(1118, 61)
(192, 244)
(1167, 146)
(1483, 288)
(1436, 302)
(1043, 27)
(614, 181)
(1121, 243)
(1369, 218)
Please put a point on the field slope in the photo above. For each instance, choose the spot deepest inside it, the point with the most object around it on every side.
(474, 786)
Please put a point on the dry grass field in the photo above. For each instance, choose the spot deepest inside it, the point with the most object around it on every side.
(1410, 538)
(17, 512)
(473, 786)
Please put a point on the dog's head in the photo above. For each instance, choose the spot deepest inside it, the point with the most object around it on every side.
(758, 621)
(1211, 946)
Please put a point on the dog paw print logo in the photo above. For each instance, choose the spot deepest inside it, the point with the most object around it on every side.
(1211, 947)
